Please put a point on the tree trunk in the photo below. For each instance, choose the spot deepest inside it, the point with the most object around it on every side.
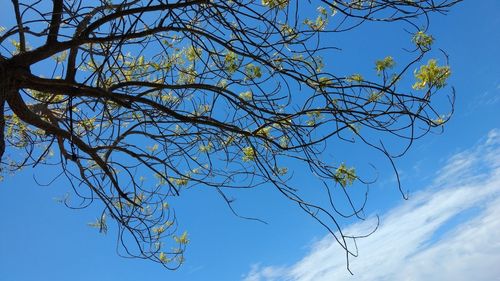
(2, 124)
(3, 93)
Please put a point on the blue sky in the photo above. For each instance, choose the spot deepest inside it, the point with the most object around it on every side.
(453, 180)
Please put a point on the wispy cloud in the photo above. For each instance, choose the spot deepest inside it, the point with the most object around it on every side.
(449, 231)
(489, 98)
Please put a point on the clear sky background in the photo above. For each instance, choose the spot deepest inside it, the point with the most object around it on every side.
(447, 230)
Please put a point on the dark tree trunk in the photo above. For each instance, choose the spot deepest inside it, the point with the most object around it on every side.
(2, 125)
(3, 93)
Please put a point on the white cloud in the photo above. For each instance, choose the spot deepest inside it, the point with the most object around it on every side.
(269, 273)
(489, 98)
(450, 231)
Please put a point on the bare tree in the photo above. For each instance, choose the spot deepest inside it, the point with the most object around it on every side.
(218, 94)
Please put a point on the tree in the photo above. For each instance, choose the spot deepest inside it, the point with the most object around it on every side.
(218, 94)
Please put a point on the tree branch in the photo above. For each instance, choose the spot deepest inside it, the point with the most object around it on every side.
(19, 107)
(22, 40)
(55, 22)
(2, 125)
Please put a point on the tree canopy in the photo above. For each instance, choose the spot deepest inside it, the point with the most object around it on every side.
(208, 93)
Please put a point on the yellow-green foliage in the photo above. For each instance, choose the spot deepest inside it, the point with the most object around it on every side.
(423, 40)
(265, 132)
(314, 116)
(246, 95)
(284, 141)
(169, 98)
(159, 230)
(206, 148)
(193, 53)
(187, 76)
(280, 4)
(231, 62)
(374, 96)
(431, 75)
(320, 22)
(153, 148)
(355, 78)
(183, 181)
(439, 121)
(183, 239)
(357, 4)
(252, 71)
(383, 64)
(60, 57)
(324, 82)
(345, 176)
(248, 154)
(163, 258)
(100, 224)
(46, 97)
(88, 124)
(288, 32)
(281, 171)
(18, 132)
